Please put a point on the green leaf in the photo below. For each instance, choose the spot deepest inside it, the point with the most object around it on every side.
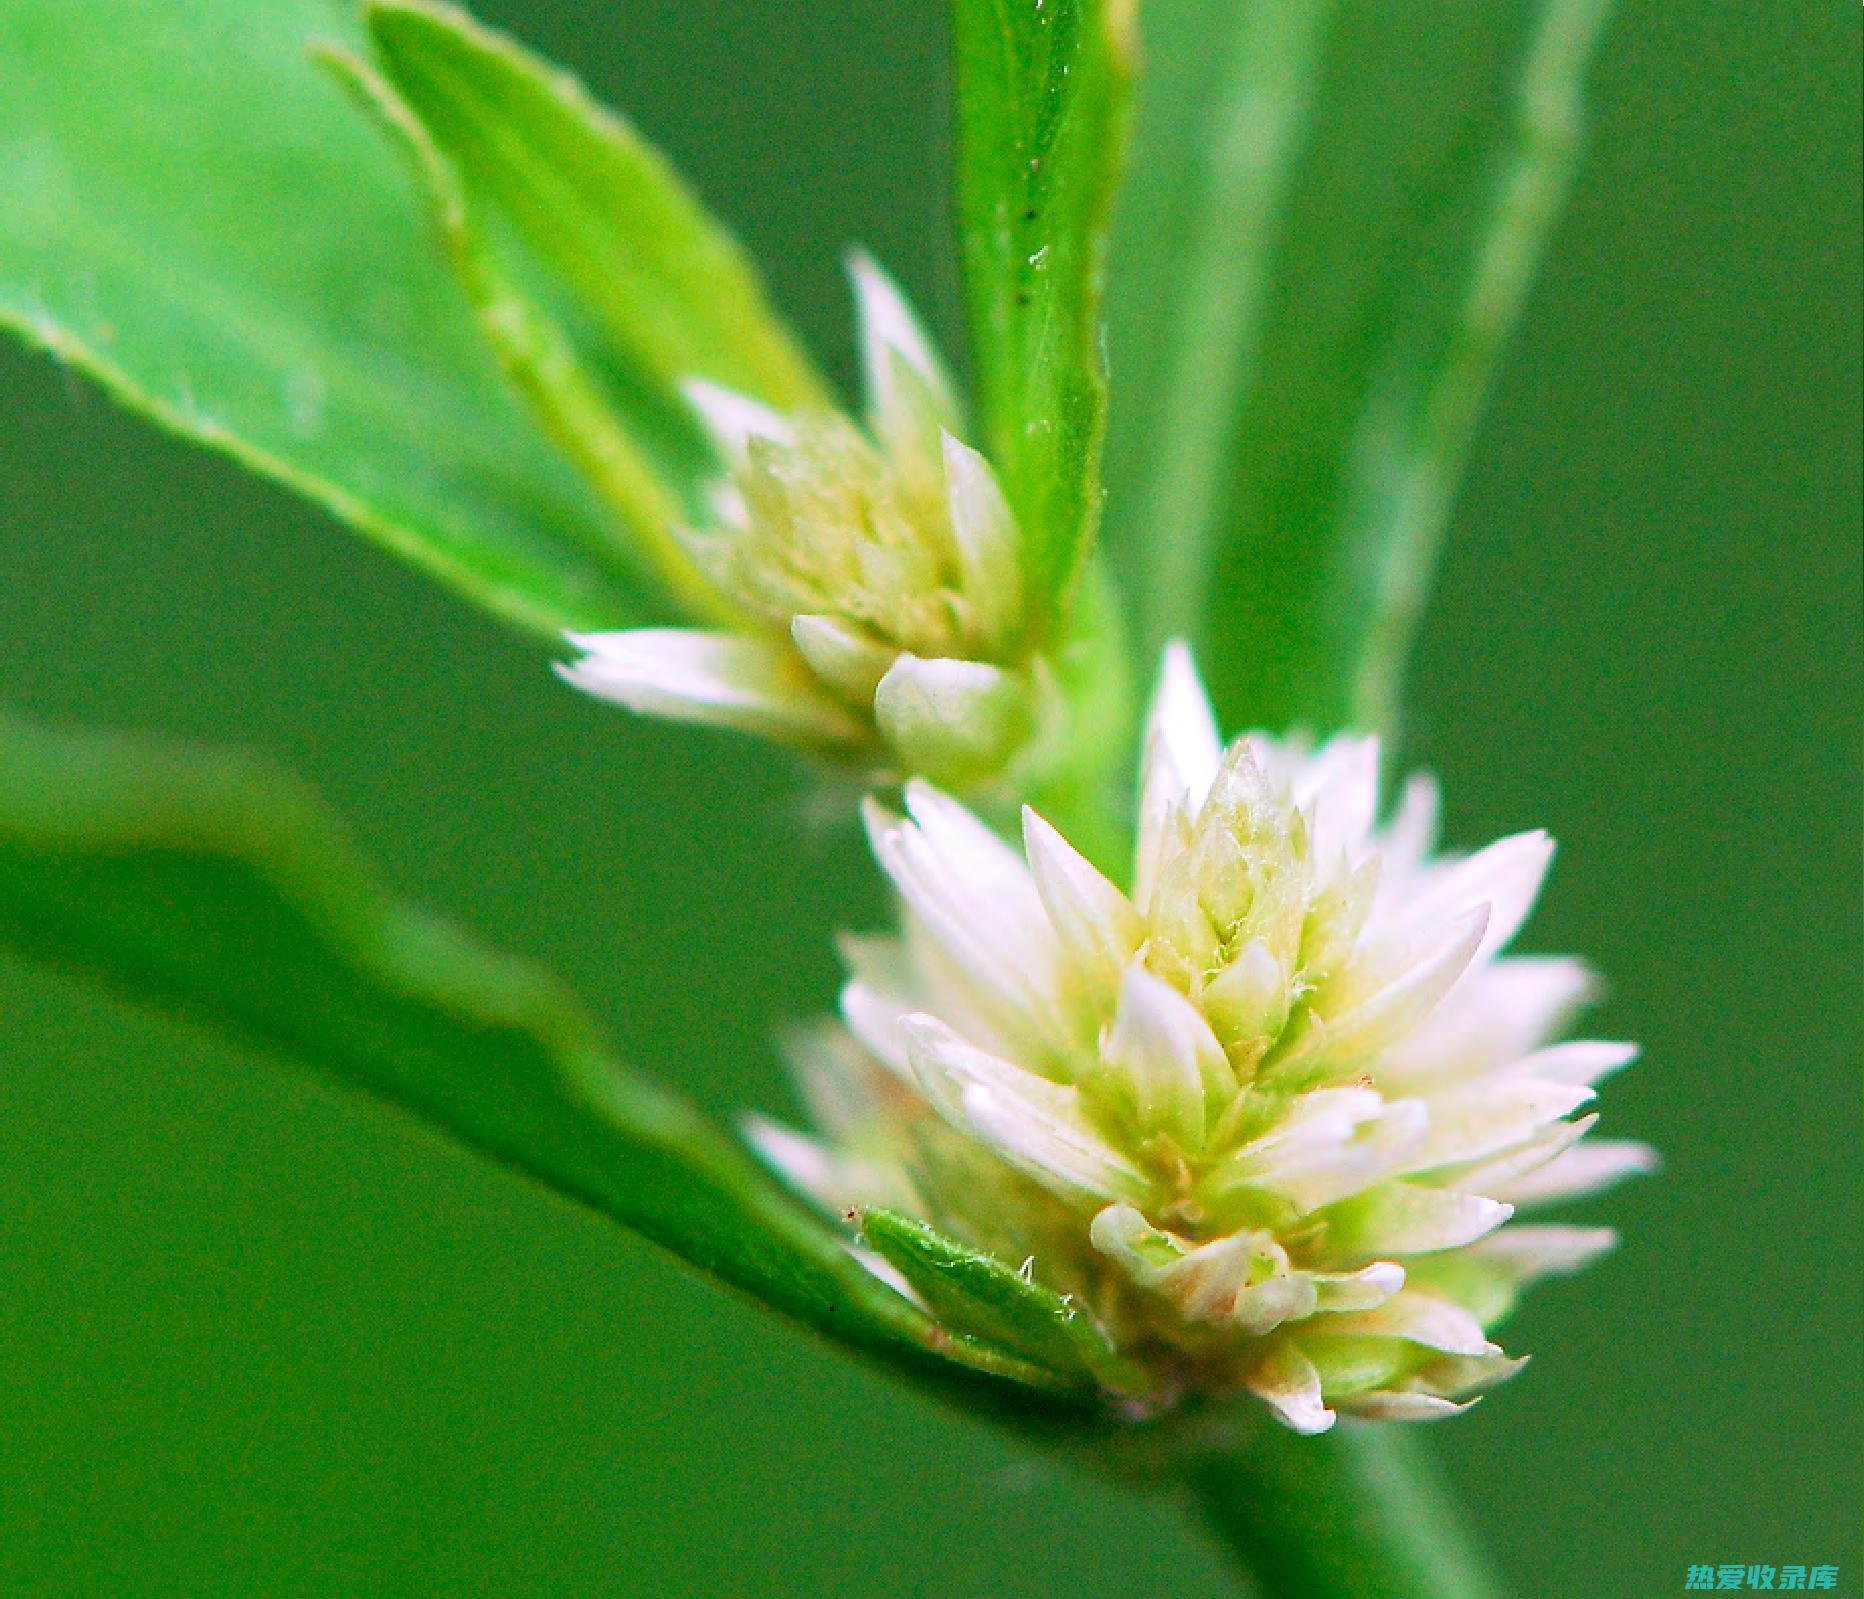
(191, 214)
(213, 887)
(540, 359)
(667, 289)
(1336, 210)
(980, 1295)
(1042, 89)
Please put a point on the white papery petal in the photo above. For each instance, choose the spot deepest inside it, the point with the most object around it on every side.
(1398, 1404)
(1034, 1124)
(984, 529)
(1583, 1062)
(1453, 1376)
(974, 897)
(1289, 1384)
(846, 1088)
(734, 419)
(1418, 1318)
(1181, 724)
(1364, 1289)
(1494, 1175)
(1585, 1169)
(833, 1179)
(1334, 1143)
(1526, 1253)
(1402, 1004)
(1260, 1308)
(1407, 1219)
(1097, 925)
(1495, 1014)
(719, 679)
(1165, 1052)
(944, 715)
(1408, 837)
(847, 658)
(878, 1020)
(889, 330)
(1179, 763)
(1487, 1117)
(1338, 787)
(1506, 877)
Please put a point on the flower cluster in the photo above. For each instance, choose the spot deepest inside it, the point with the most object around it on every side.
(1265, 1115)
(876, 572)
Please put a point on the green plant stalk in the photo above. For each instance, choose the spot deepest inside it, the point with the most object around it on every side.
(1358, 1513)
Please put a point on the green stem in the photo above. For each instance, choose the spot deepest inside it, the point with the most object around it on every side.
(1358, 1513)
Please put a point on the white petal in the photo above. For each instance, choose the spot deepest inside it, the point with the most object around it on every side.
(975, 899)
(835, 1181)
(1506, 877)
(1181, 726)
(1583, 1062)
(889, 330)
(1585, 1169)
(1250, 997)
(1334, 1143)
(1409, 837)
(984, 530)
(719, 679)
(1098, 928)
(848, 659)
(1288, 1382)
(1034, 1124)
(734, 419)
(1364, 1289)
(1527, 1253)
(1453, 1376)
(958, 718)
(1396, 1404)
(1338, 787)
(1406, 1219)
(1494, 1175)
(847, 1091)
(1402, 1004)
(1165, 1053)
(1490, 1116)
(1496, 1014)
(1418, 1318)
(878, 1020)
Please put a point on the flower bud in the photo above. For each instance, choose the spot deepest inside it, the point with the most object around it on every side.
(876, 571)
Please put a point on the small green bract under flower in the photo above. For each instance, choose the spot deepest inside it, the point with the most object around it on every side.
(1266, 1115)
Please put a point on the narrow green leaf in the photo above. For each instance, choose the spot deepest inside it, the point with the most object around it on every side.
(213, 887)
(665, 286)
(980, 1295)
(1336, 209)
(191, 214)
(1042, 89)
(539, 357)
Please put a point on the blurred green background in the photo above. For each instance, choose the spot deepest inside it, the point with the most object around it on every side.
(260, 1339)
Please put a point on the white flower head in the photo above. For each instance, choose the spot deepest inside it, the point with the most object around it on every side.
(876, 570)
(1267, 1115)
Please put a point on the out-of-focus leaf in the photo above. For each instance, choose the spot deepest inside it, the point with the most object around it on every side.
(1042, 91)
(191, 214)
(667, 289)
(214, 887)
(978, 1294)
(1335, 211)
